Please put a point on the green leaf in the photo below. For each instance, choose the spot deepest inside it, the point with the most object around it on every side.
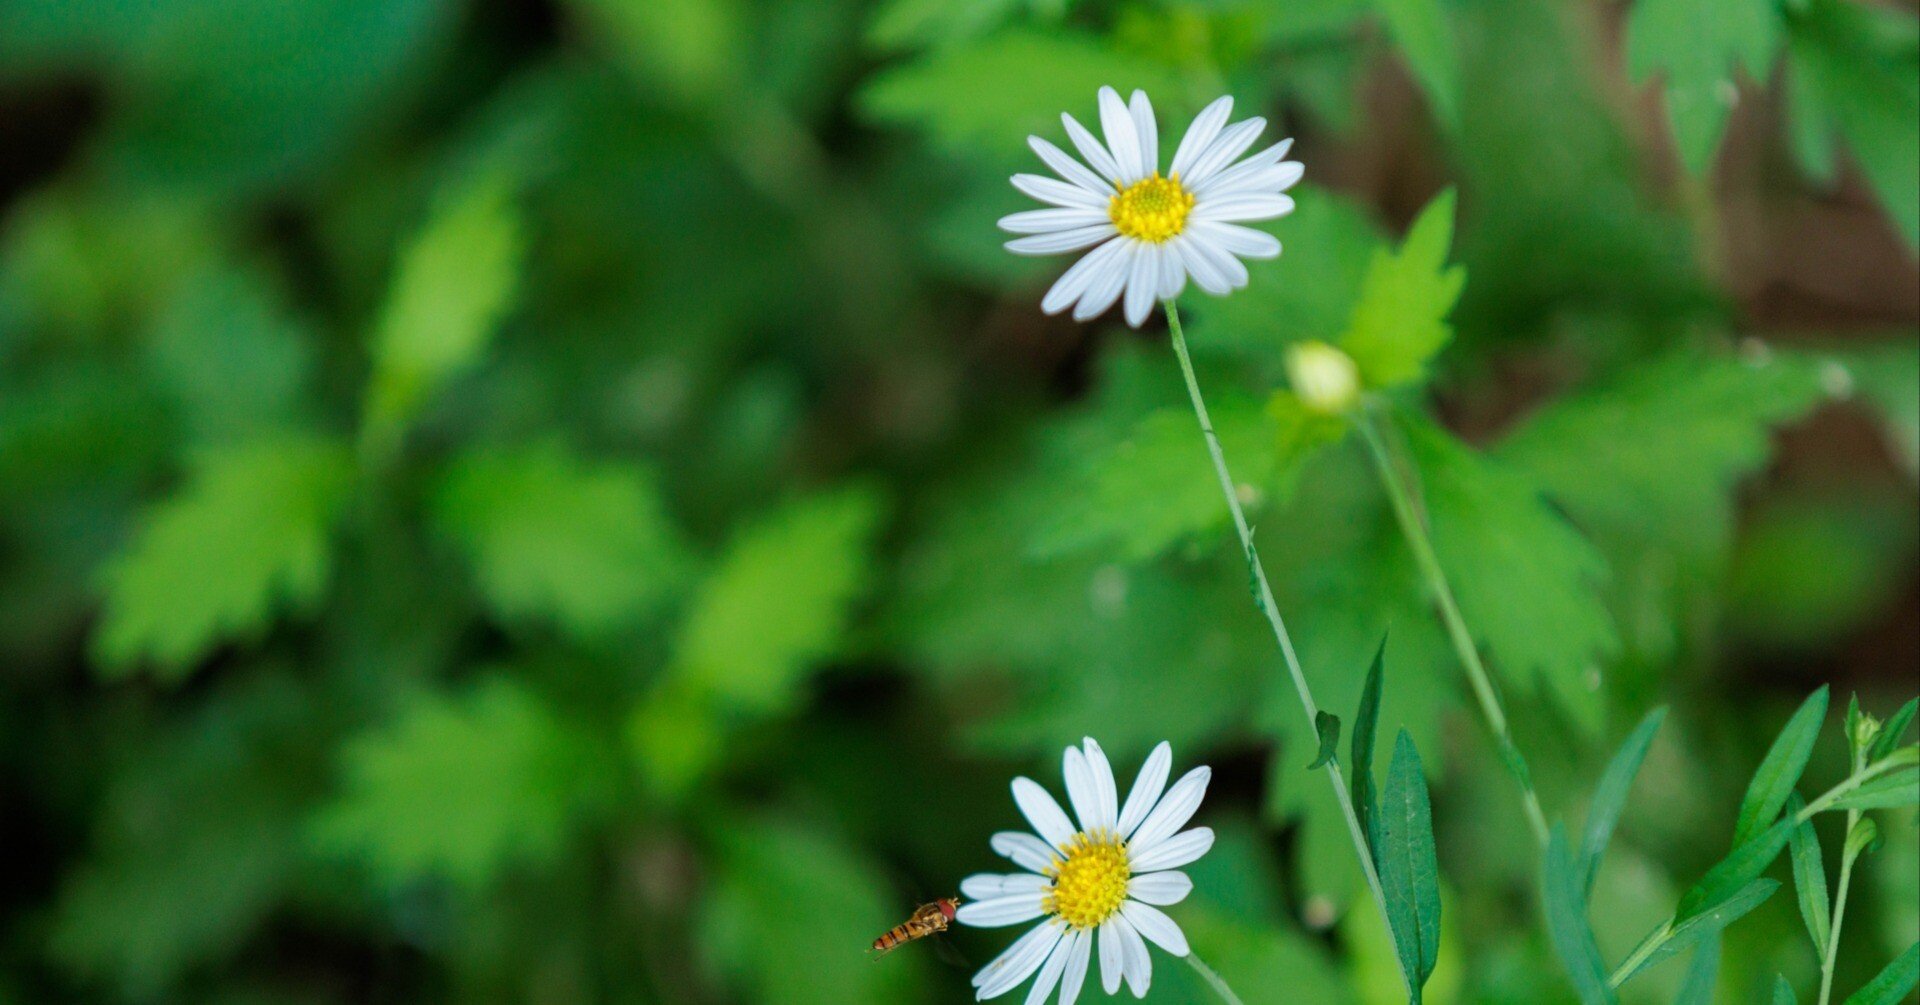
(1419, 28)
(779, 600)
(250, 531)
(1892, 731)
(1409, 870)
(1695, 48)
(1732, 874)
(1889, 791)
(1709, 921)
(1810, 880)
(1702, 973)
(1887, 377)
(1328, 237)
(232, 360)
(454, 282)
(1610, 796)
(1328, 726)
(1366, 723)
(1783, 992)
(900, 24)
(1567, 927)
(1399, 320)
(555, 537)
(1894, 983)
(1525, 579)
(1852, 71)
(1863, 837)
(690, 50)
(460, 788)
(1156, 487)
(1780, 770)
(1300, 433)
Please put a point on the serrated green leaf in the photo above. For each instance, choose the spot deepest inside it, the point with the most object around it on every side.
(1328, 726)
(1853, 71)
(251, 532)
(778, 601)
(454, 282)
(1890, 791)
(1409, 869)
(1525, 579)
(1610, 796)
(1695, 47)
(1893, 984)
(1399, 320)
(1783, 992)
(556, 537)
(1420, 29)
(1779, 771)
(460, 788)
(1366, 723)
(1702, 973)
(1567, 926)
(1810, 880)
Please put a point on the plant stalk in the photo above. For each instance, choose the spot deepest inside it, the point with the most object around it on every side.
(1213, 980)
(1413, 528)
(1840, 894)
(1264, 599)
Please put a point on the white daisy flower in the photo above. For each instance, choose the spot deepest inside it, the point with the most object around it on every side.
(1149, 233)
(1103, 882)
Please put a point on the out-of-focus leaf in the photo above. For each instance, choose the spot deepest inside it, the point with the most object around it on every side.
(76, 263)
(229, 356)
(1779, 771)
(1399, 319)
(1894, 983)
(1525, 580)
(1810, 880)
(454, 282)
(1702, 973)
(1854, 71)
(1300, 433)
(690, 48)
(1809, 569)
(816, 962)
(1409, 870)
(1887, 377)
(460, 788)
(1783, 992)
(1420, 29)
(1327, 237)
(1610, 797)
(903, 23)
(250, 531)
(1567, 927)
(779, 600)
(555, 536)
(1694, 48)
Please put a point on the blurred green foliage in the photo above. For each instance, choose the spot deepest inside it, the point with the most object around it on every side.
(566, 500)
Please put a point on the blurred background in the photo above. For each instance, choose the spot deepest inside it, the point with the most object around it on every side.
(567, 501)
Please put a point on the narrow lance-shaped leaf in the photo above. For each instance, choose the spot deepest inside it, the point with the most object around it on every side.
(1706, 923)
(1810, 880)
(1409, 870)
(1894, 983)
(1572, 936)
(1365, 723)
(1893, 730)
(1774, 780)
(1731, 874)
(1890, 791)
(1328, 726)
(1610, 796)
(1697, 989)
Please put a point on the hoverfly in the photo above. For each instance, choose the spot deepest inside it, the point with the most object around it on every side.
(927, 919)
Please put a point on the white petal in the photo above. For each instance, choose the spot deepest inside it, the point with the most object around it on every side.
(1106, 287)
(1134, 961)
(1173, 812)
(1176, 851)
(1062, 240)
(988, 885)
(1076, 972)
(1231, 143)
(1019, 961)
(1143, 281)
(1082, 275)
(1042, 812)
(1201, 267)
(1146, 131)
(1117, 124)
(1158, 888)
(1026, 851)
(1072, 170)
(1271, 157)
(1103, 784)
(1227, 209)
(1173, 273)
(1243, 241)
(1230, 267)
(1096, 153)
(1259, 181)
(1049, 221)
(1080, 790)
(1200, 135)
(1156, 926)
(1049, 978)
(1059, 193)
(999, 912)
(1147, 787)
(1109, 940)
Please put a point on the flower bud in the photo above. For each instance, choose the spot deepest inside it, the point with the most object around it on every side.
(1325, 379)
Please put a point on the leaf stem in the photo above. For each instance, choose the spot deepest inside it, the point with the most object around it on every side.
(1414, 530)
(1264, 600)
(1840, 893)
(1213, 980)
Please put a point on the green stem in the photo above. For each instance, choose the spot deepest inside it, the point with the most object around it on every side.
(1264, 599)
(1413, 528)
(1213, 980)
(1840, 894)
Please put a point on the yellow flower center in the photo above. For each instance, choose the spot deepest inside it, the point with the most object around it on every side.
(1090, 883)
(1151, 209)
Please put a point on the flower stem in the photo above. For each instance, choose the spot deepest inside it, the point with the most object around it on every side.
(1832, 950)
(1263, 598)
(1415, 531)
(1213, 980)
